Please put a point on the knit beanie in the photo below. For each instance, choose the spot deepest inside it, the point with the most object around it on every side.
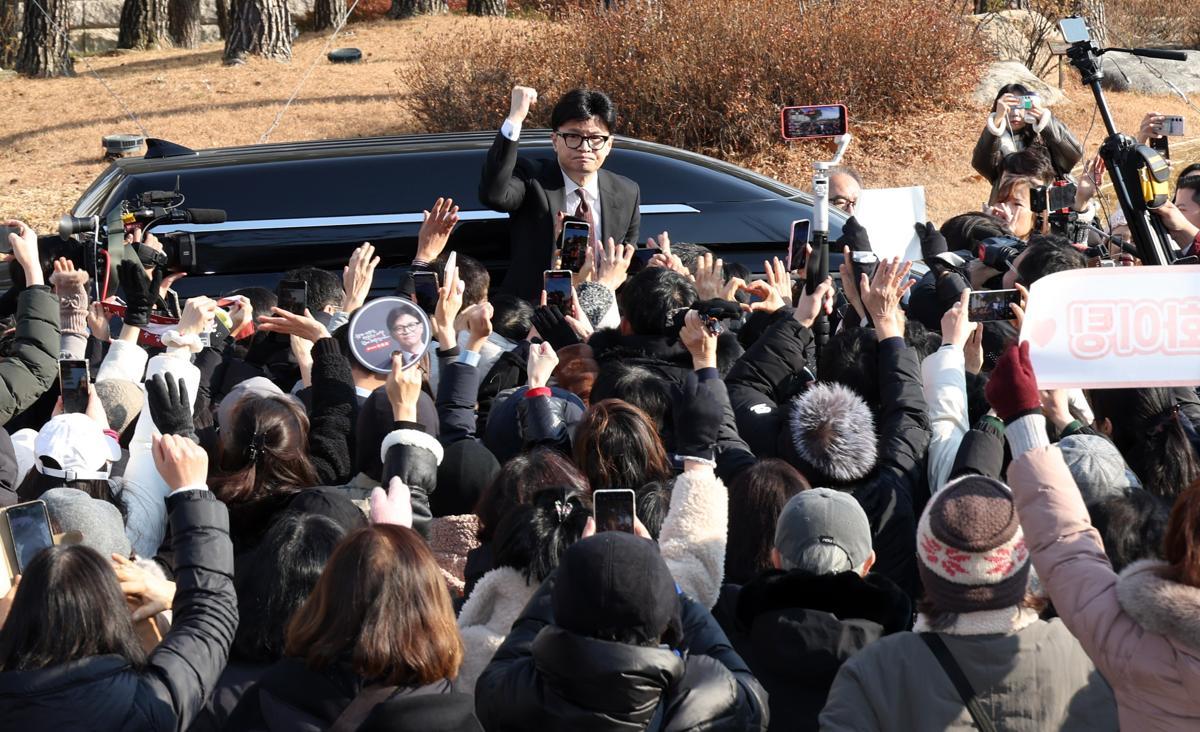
(98, 521)
(830, 435)
(122, 401)
(971, 550)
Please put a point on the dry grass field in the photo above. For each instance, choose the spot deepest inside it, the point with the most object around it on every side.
(50, 130)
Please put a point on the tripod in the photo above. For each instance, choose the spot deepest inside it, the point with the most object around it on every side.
(1139, 174)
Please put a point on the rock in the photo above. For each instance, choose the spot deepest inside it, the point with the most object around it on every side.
(1014, 72)
(1006, 34)
(1123, 72)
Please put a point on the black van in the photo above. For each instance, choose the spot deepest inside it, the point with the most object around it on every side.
(311, 203)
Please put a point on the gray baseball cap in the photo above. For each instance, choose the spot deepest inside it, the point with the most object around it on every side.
(823, 531)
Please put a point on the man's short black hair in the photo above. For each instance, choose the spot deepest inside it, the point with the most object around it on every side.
(324, 288)
(511, 317)
(475, 277)
(652, 296)
(580, 105)
(1046, 255)
(965, 231)
(1189, 183)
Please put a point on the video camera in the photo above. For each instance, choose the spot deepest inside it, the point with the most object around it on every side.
(999, 252)
(142, 213)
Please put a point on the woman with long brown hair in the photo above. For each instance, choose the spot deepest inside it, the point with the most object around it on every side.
(374, 647)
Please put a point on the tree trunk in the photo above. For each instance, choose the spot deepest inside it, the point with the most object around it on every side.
(409, 8)
(225, 11)
(10, 26)
(184, 23)
(143, 24)
(487, 7)
(44, 45)
(260, 28)
(328, 14)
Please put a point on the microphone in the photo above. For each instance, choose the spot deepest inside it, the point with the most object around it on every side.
(1159, 53)
(198, 216)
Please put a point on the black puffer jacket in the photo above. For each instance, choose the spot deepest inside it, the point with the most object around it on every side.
(546, 678)
(795, 629)
(105, 692)
(31, 363)
(293, 698)
(413, 455)
(774, 370)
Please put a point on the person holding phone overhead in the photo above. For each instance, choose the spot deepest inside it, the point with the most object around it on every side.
(540, 194)
(1020, 119)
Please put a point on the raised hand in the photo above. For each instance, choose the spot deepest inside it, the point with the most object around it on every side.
(882, 296)
(357, 277)
(435, 229)
(181, 462)
(523, 97)
(542, 362)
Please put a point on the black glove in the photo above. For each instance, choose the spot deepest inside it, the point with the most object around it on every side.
(140, 292)
(553, 327)
(698, 413)
(854, 236)
(932, 241)
(170, 407)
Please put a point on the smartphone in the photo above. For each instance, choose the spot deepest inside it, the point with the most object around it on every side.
(28, 527)
(986, 306)
(557, 283)
(5, 230)
(73, 378)
(426, 286)
(1058, 196)
(613, 509)
(293, 296)
(1162, 146)
(1172, 126)
(796, 253)
(810, 123)
(575, 235)
(1074, 29)
(863, 263)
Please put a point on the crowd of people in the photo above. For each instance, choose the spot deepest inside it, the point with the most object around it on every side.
(852, 508)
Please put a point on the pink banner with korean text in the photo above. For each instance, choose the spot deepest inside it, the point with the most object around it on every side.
(1115, 327)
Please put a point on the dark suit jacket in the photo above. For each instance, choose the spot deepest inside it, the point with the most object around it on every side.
(531, 192)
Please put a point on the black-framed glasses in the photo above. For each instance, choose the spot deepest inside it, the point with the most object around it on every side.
(573, 140)
(842, 201)
(406, 328)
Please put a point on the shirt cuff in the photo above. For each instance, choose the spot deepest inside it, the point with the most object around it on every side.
(401, 424)
(1026, 434)
(707, 373)
(510, 130)
(470, 358)
(196, 487)
(702, 460)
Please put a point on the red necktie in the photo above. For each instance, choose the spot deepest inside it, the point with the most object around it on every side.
(583, 212)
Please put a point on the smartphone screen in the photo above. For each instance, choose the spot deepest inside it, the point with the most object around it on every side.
(73, 381)
(293, 296)
(557, 283)
(807, 123)
(986, 306)
(426, 286)
(1061, 197)
(613, 510)
(1162, 145)
(574, 244)
(1074, 30)
(29, 526)
(1173, 126)
(801, 231)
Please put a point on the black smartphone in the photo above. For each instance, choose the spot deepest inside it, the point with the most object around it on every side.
(293, 296)
(809, 123)
(986, 306)
(28, 527)
(575, 235)
(557, 283)
(5, 230)
(863, 263)
(797, 243)
(613, 509)
(1162, 145)
(426, 286)
(73, 378)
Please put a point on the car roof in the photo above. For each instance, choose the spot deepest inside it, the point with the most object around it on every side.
(443, 141)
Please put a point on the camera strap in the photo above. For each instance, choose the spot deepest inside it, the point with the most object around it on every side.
(150, 257)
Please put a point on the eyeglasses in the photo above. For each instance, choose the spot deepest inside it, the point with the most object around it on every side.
(843, 202)
(406, 329)
(573, 140)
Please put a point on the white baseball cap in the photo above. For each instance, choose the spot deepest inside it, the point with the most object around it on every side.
(78, 445)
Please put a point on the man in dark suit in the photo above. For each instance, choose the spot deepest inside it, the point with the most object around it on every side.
(538, 195)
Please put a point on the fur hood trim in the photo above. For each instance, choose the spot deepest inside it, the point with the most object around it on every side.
(412, 438)
(496, 600)
(832, 429)
(1160, 605)
(1005, 621)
